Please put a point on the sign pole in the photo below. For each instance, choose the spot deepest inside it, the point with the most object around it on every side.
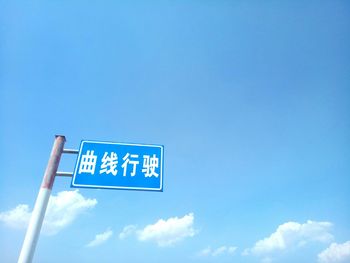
(41, 203)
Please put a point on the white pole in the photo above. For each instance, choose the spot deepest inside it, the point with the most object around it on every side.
(42, 200)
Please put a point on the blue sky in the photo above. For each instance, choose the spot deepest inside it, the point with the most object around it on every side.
(249, 99)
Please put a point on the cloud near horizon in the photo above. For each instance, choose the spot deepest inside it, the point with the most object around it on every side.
(335, 253)
(62, 210)
(209, 252)
(290, 235)
(164, 232)
(127, 231)
(100, 238)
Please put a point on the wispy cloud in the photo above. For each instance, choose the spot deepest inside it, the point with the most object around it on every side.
(335, 253)
(163, 232)
(100, 238)
(62, 210)
(223, 250)
(292, 234)
(127, 231)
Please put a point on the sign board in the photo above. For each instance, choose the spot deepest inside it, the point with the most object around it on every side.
(119, 166)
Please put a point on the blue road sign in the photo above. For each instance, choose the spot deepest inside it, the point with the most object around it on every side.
(119, 166)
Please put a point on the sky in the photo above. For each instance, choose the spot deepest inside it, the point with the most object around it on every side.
(249, 98)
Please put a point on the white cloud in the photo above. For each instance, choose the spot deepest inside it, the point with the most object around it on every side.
(335, 253)
(293, 234)
(127, 231)
(209, 252)
(17, 217)
(62, 210)
(168, 232)
(100, 238)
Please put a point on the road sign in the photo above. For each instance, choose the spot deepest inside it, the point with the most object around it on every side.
(119, 166)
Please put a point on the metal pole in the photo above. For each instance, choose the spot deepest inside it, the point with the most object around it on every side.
(42, 200)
